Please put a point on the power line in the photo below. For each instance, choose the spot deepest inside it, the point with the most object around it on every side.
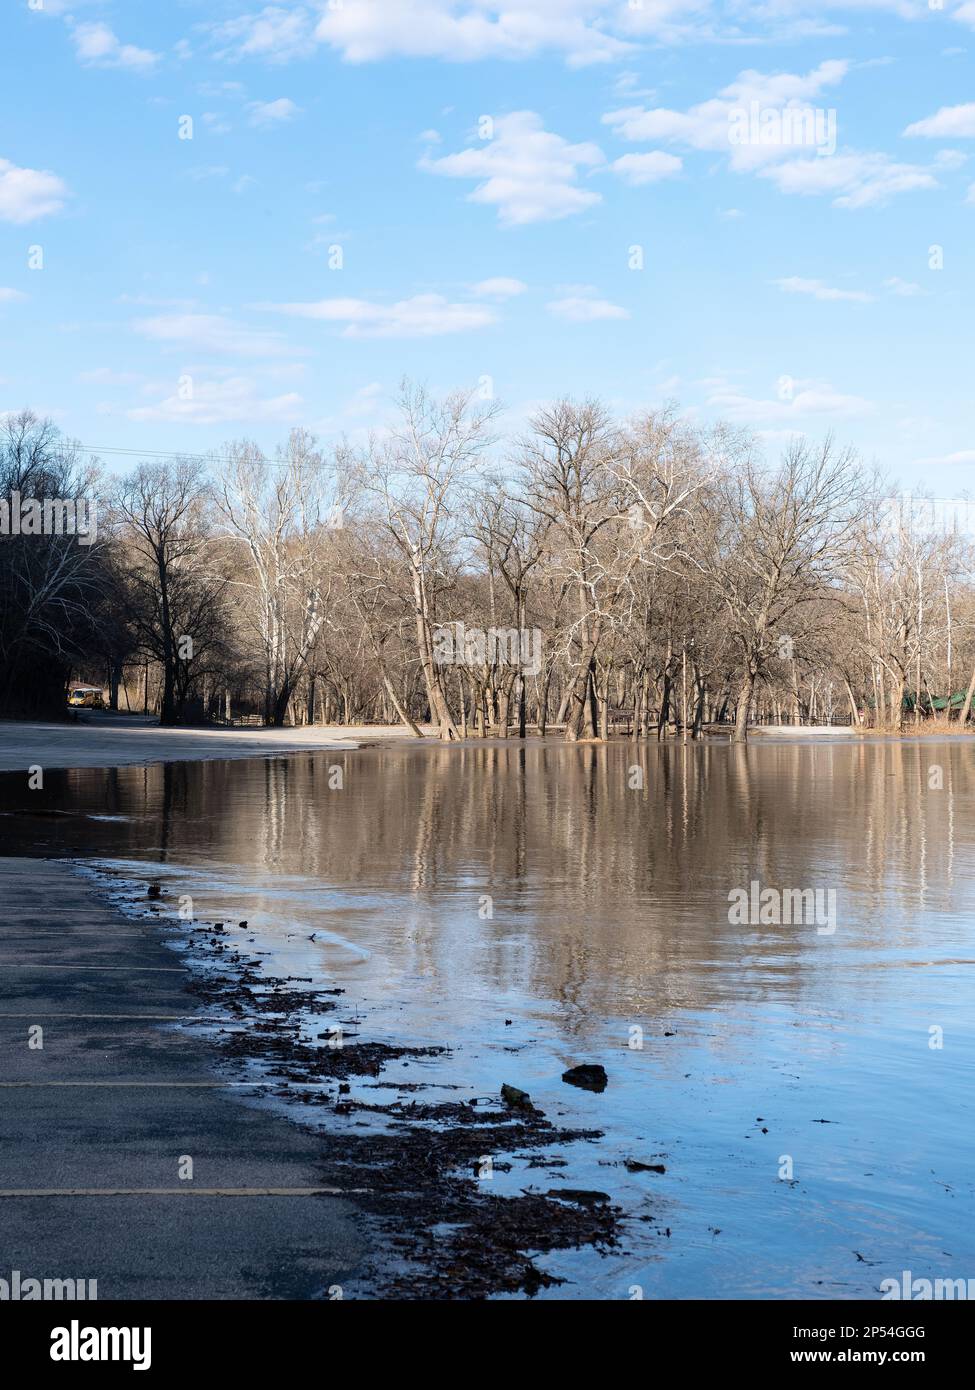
(139, 453)
(113, 451)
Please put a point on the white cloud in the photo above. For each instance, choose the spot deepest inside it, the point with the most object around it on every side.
(274, 33)
(711, 125)
(950, 160)
(583, 309)
(211, 333)
(669, 20)
(641, 169)
(423, 316)
(216, 123)
(208, 171)
(26, 194)
(365, 401)
(55, 8)
(9, 296)
(810, 18)
(271, 113)
(794, 284)
(949, 123)
(903, 288)
(469, 30)
(359, 416)
(856, 180)
(582, 31)
(154, 301)
(965, 457)
(96, 45)
(222, 402)
(499, 288)
(528, 173)
(802, 159)
(804, 398)
(201, 173)
(107, 376)
(221, 89)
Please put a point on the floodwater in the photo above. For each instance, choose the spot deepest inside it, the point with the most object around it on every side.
(807, 1084)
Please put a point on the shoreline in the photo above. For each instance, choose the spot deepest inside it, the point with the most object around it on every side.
(127, 741)
(414, 1166)
(164, 1041)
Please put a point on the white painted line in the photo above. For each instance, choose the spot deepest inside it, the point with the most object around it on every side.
(187, 1191)
(162, 1085)
(135, 969)
(170, 1018)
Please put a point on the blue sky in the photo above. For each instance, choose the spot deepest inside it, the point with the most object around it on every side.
(453, 189)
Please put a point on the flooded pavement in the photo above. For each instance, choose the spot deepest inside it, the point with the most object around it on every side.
(788, 1103)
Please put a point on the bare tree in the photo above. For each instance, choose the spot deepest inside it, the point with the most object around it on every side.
(164, 509)
(675, 579)
(50, 584)
(414, 475)
(780, 542)
(283, 509)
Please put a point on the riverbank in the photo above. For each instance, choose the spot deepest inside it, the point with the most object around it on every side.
(911, 733)
(187, 1124)
(109, 740)
(106, 740)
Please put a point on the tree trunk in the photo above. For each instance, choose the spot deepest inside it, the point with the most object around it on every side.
(504, 707)
(575, 714)
(702, 690)
(592, 706)
(742, 705)
(543, 705)
(113, 684)
(604, 707)
(663, 715)
(280, 707)
(966, 708)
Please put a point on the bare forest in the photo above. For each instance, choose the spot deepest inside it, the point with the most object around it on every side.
(590, 577)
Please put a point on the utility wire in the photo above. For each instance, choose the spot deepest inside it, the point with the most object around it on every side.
(112, 451)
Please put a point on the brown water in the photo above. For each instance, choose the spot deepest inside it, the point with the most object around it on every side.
(451, 890)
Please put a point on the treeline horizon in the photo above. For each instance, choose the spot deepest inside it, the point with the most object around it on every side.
(587, 575)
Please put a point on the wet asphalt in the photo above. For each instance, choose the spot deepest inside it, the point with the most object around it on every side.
(106, 1110)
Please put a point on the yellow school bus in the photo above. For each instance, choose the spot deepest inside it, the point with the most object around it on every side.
(86, 697)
